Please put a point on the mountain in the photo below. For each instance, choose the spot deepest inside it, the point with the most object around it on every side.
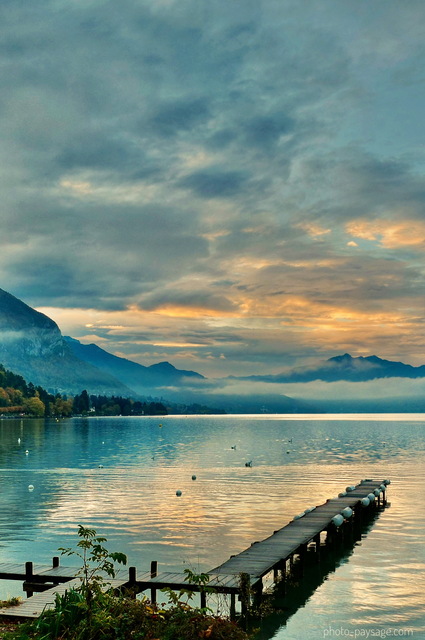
(32, 345)
(345, 367)
(140, 378)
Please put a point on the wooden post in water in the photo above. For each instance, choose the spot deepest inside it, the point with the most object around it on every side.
(132, 575)
(232, 606)
(154, 573)
(28, 576)
(245, 591)
(316, 540)
(55, 562)
(302, 550)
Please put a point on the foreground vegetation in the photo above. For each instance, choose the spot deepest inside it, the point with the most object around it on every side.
(92, 611)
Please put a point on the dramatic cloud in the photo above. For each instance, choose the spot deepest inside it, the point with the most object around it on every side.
(234, 189)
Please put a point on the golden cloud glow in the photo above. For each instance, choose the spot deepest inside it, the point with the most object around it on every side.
(312, 229)
(175, 311)
(77, 186)
(98, 187)
(389, 234)
(182, 345)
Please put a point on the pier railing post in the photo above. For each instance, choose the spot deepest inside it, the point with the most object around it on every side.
(55, 562)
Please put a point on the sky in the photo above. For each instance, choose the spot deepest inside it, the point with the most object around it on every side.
(234, 187)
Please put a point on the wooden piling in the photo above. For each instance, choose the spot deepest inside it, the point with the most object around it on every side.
(316, 540)
(154, 572)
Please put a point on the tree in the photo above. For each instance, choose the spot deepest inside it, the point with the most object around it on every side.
(34, 406)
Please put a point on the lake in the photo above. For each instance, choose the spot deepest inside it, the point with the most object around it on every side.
(120, 476)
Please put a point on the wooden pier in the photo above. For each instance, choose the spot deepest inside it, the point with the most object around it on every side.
(240, 575)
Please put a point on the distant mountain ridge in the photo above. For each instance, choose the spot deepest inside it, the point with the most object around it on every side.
(136, 376)
(345, 367)
(32, 345)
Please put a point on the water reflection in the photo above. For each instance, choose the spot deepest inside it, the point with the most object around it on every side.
(120, 475)
(290, 595)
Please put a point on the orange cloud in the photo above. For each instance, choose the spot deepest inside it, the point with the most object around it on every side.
(389, 234)
(312, 229)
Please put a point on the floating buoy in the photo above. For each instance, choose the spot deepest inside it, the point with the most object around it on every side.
(160, 424)
(26, 452)
(30, 487)
(300, 515)
(288, 451)
(233, 447)
(338, 520)
(377, 492)
(193, 477)
(309, 510)
(350, 488)
(347, 512)
(101, 466)
(371, 497)
(342, 494)
(248, 464)
(365, 502)
(103, 442)
(382, 487)
(178, 492)
(386, 482)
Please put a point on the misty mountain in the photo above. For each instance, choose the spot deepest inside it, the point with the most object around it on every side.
(140, 378)
(31, 344)
(345, 367)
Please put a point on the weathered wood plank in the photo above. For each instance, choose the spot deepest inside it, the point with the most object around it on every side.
(33, 607)
(262, 556)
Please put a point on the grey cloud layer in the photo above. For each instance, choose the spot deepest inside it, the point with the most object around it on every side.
(198, 155)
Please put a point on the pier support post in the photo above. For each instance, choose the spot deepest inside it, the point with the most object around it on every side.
(302, 554)
(132, 574)
(232, 606)
(245, 592)
(154, 573)
(281, 579)
(55, 562)
(131, 587)
(316, 540)
(29, 572)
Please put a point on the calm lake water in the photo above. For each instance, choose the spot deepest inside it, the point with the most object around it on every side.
(120, 476)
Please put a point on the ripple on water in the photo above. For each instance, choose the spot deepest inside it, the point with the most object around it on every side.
(132, 499)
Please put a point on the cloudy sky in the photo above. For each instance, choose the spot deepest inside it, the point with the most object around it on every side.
(235, 187)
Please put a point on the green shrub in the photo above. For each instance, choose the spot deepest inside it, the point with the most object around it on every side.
(92, 611)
